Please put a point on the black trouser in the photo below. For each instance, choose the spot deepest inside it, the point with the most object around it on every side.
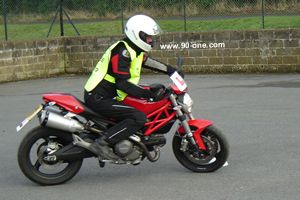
(129, 119)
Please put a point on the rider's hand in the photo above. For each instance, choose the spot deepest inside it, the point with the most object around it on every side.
(172, 70)
(158, 91)
(181, 74)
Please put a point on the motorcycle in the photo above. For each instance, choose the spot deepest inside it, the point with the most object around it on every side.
(53, 152)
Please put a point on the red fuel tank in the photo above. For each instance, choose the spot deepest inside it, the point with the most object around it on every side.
(145, 106)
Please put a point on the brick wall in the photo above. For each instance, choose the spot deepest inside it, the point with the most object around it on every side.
(236, 51)
(83, 53)
(31, 59)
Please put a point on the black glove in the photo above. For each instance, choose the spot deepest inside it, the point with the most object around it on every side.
(158, 91)
(171, 70)
(181, 74)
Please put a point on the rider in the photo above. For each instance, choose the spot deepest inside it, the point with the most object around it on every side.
(117, 75)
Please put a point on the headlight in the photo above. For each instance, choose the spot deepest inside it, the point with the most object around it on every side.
(187, 102)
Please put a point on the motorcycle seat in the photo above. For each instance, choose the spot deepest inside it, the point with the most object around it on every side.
(88, 112)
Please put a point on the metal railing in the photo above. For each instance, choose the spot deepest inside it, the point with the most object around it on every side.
(178, 15)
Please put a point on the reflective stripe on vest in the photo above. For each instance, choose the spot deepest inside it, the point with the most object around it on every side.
(100, 71)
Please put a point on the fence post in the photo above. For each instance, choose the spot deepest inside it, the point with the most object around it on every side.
(61, 20)
(4, 18)
(263, 13)
(122, 15)
(184, 14)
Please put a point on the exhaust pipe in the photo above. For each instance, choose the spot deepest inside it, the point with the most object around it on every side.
(138, 142)
(54, 120)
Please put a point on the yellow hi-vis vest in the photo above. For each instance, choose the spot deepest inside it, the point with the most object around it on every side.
(100, 71)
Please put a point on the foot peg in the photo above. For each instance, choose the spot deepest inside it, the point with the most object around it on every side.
(101, 164)
(78, 141)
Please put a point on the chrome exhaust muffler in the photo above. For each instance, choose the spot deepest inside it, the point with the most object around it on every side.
(54, 120)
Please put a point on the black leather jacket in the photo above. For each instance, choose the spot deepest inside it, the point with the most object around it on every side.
(119, 69)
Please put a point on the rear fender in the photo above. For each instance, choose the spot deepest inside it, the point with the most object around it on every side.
(197, 126)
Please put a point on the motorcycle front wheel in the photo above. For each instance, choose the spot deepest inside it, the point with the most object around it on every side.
(213, 158)
(36, 162)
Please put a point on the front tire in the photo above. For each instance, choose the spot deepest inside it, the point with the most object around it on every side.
(33, 160)
(208, 161)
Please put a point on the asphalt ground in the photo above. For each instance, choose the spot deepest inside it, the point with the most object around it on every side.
(259, 114)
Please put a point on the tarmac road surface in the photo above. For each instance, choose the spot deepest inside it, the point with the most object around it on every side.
(259, 114)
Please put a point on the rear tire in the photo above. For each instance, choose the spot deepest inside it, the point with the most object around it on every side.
(209, 161)
(31, 157)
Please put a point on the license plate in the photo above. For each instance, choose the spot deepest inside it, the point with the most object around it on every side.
(29, 118)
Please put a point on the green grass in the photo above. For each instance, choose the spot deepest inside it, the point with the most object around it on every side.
(248, 23)
(107, 28)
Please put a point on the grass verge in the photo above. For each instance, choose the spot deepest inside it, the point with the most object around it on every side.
(107, 28)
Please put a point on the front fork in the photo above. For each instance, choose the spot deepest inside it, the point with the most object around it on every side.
(195, 139)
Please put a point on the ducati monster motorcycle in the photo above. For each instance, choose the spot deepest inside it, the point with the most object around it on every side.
(52, 153)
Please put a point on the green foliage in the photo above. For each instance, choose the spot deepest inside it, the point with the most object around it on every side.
(108, 28)
(204, 3)
(114, 7)
(105, 7)
(43, 7)
(242, 3)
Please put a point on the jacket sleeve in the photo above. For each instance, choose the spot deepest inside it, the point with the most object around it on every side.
(120, 63)
(133, 90)
(158, 66)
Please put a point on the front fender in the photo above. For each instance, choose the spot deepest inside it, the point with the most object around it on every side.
(197, 126)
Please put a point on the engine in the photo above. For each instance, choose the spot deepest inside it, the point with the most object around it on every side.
(128, 151)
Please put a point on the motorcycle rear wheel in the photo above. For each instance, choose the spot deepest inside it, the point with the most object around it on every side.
(33, 152)
(209, 161)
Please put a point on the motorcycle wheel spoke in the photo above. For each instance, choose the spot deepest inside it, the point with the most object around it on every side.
(37, 165)
(47, 139)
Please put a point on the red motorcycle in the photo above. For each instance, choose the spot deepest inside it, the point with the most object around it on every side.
(53, 152)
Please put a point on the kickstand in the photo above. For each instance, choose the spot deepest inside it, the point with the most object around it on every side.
(101, 164)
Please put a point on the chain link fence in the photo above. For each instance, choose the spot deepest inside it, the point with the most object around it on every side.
(37, 19)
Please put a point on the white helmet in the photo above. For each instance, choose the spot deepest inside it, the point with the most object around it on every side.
(137, 27)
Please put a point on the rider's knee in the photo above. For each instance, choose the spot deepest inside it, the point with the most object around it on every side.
(140, 118)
